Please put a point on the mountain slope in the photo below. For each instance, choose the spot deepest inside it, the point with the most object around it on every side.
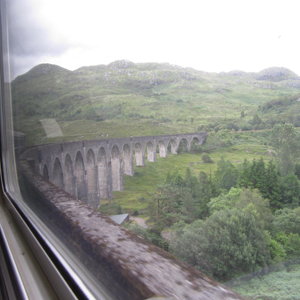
(124, 98)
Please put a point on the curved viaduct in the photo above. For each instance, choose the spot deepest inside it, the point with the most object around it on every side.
(91, 170)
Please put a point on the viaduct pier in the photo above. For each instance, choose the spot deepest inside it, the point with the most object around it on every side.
(91, 170)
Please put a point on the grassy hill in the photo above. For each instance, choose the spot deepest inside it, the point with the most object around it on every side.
(128, 99)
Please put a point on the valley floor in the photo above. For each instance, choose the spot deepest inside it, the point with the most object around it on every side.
(138, 188)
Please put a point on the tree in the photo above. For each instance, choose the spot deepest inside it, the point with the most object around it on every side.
(226, 175)
(192, 205)
(287, 220)
(290, 191)
(245, 176)
(166, 205)
(253, 174)
(225, 200)
(199, 193)
(205, 190)
(248, 200)
(285, 140)
(290, 243)
(258, 174)
(277, 251)
(228, 243)
(271, 188)
(264, 178)
(181, 198)
(190, 181)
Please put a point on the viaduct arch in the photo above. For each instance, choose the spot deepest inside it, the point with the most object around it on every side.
(91, 170)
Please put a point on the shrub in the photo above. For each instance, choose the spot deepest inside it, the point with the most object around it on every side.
(207, 159)
(226, 244)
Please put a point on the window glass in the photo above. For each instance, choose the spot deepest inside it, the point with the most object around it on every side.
(177, 120)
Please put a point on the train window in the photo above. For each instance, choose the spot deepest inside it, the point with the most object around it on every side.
(152, 148)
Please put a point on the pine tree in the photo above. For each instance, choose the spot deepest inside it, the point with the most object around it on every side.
(244, 179)
(271, 188)
(226, 175)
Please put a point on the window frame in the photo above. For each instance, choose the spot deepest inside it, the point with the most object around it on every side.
(32, 233)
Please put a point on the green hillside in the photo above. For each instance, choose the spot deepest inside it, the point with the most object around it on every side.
(128, 99)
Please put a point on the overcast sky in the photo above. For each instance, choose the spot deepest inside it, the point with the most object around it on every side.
(208, 35)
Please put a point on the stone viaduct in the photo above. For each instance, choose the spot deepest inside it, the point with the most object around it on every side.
(91, 170)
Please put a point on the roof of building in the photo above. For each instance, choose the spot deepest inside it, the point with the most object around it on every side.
(119, 219)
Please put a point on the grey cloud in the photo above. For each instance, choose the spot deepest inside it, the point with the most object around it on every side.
(29, 38)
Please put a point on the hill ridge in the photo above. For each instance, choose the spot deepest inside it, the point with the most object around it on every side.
(126, 99)
(270, 73)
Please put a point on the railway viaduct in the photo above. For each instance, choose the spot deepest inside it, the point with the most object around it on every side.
(91, 170)
(66, 182)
